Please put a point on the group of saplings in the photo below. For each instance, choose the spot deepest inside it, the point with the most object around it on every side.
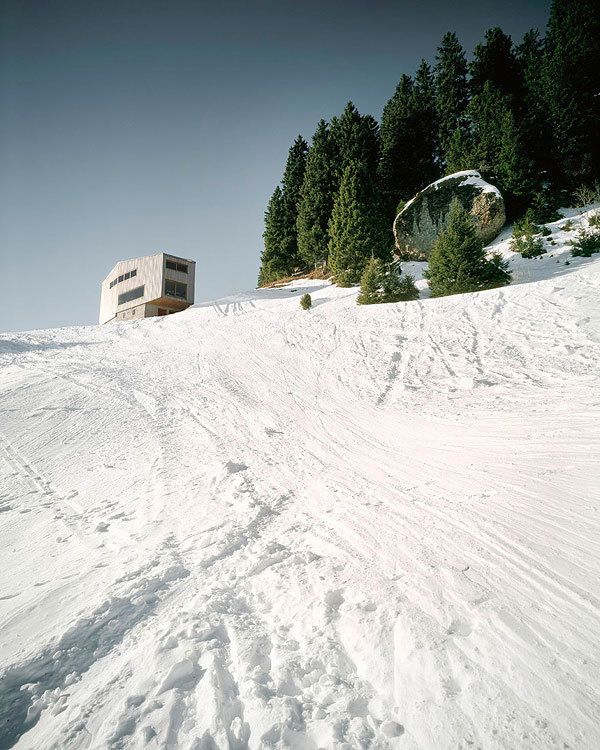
(587, 240)
(527, 238)
(458, 263)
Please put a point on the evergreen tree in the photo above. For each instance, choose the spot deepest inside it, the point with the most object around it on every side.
(293, 177)
(354, 139)
(571, 84)
(458, 262)
(459, 154)
(515, 169)
(452, 95)
(487, 113)
(316, 200)
(534, 123)
(396, 173)
(426, 154)
(409, 139)
(357, 228)
(274, 263)
(306, 302)
(370, 283)
(384, 282)
(396, 286)
(496, 62)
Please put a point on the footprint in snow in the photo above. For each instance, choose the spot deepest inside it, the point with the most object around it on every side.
(460, 627)
(233, 468)
(334, 599)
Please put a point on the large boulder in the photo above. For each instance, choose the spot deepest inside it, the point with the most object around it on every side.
(418, 224)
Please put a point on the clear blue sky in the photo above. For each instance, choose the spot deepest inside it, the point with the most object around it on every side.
(134, 127)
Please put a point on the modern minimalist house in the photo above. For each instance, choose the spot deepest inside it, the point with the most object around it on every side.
(143, 287)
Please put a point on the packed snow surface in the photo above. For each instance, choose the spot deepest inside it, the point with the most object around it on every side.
(253, 526)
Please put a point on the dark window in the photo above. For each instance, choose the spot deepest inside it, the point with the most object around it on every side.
(175, 289)
(112, 283)
(120, 278)
(181, 267)
(127, 275)
(131, 294)
(134, 273)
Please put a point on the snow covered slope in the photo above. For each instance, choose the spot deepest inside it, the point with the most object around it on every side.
(251, 526)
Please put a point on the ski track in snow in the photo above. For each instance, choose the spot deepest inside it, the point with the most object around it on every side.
(249, 526)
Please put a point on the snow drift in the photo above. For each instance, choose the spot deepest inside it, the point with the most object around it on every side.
(252, 526)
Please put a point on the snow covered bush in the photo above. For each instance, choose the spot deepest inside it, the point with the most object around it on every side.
(587, 242)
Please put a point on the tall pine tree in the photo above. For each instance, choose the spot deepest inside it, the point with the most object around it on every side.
(427, 146)
(452, 96)
(274, 263)
(316, 200)
(571, 88)
(354, 139)
(516, 173)
(496, 62)
(534, 121)
(487, 111)
(357, 229)
(293, 177)
(396, 171)
(409, 139)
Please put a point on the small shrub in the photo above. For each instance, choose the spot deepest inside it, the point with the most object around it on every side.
(385, 284)
(400, 289)
(546, 232)
(523, 240)
(586, 194)
(544, 207)
(594, 219)
(306, 302)
(567, 263)
(568, 227)
(586, 243)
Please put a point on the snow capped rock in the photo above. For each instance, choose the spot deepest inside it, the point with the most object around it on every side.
(418, 224)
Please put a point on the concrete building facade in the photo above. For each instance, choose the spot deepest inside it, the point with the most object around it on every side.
(158, 284)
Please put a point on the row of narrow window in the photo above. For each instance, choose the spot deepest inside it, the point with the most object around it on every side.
(123, 277)
(181, 267)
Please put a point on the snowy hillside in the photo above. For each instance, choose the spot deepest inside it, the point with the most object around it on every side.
(251, 526)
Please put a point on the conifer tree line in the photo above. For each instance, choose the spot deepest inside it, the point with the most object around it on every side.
(527, 116)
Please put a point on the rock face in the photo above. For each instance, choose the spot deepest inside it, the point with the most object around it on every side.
(418, 224)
